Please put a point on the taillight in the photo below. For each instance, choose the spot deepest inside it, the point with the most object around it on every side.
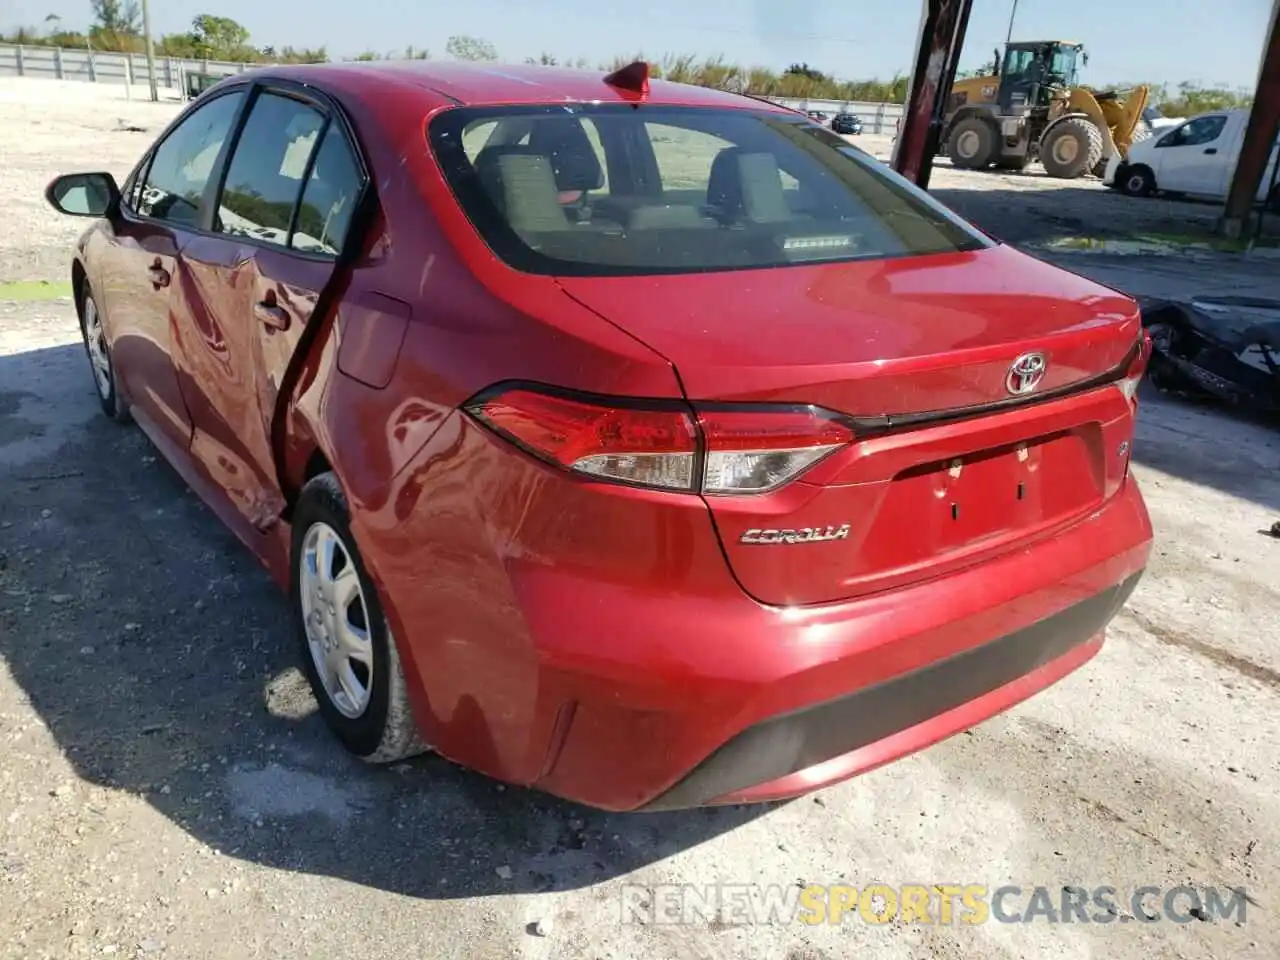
(1132, 377)
(664, 445)
(644, 446)
(760, 450)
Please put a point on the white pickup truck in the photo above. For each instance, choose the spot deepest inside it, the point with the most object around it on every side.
(1196, 158)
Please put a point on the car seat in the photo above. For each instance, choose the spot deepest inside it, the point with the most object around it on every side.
(574, 162)
(746, 186)
(522, 185)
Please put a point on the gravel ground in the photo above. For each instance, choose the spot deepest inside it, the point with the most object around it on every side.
(167, 790)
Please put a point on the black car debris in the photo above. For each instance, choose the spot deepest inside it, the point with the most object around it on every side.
(1226, 348)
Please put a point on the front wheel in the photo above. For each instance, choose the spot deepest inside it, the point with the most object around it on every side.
(1137, 181)
(99, 353)
(348, 653)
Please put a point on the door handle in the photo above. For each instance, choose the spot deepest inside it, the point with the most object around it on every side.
(1210, 149)
(159, 275)
(271, 315)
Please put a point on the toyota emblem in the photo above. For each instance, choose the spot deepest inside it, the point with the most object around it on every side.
(1026, 373)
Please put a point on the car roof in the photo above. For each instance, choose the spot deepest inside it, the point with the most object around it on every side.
(470, 84)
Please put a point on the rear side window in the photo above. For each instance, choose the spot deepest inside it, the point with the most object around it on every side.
(264, 178)
(293, 179)
(329, 197)
(619, 190)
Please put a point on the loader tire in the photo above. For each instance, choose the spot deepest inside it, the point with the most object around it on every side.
(972, 144)
(1071, 149)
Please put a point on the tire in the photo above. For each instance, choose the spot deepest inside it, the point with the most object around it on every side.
(370, 715)
(98, 352)
(971, 144)
(1071, 148)
(1136, 181)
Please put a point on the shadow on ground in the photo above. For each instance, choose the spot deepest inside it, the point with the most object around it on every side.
(159, 655)
(1212, 445)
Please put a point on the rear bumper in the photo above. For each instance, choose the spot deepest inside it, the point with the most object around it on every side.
(808, 748)
(738, 702)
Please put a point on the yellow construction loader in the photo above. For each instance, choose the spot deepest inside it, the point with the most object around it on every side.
(1031, 107)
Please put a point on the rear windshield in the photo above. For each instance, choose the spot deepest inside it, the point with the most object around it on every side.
(631, 190)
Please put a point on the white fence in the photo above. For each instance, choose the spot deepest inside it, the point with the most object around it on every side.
(94, 66)
(875, 117)
(64, 63)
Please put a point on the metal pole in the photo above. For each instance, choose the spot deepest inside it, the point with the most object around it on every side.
(938, 45)
(151, 52)
(1259, 135)
(1012, 13)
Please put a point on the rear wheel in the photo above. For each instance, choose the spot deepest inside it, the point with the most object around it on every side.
(349, 655)
(1071, 148)
(972, 144)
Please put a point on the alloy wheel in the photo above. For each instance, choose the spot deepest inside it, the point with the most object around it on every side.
(96, 342)
(336, 620)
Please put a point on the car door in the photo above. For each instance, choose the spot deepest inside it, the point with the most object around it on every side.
(1192, 158)
(158, 215)
(252, 280)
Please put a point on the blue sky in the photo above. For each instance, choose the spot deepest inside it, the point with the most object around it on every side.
(1216, 41)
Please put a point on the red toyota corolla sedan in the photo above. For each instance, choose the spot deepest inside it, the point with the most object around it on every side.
(642, 443)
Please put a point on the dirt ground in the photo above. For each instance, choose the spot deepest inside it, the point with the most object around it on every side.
(167, 790)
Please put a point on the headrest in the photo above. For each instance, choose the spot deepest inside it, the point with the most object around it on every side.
(573, 159)
(747, 185)
(520, 183)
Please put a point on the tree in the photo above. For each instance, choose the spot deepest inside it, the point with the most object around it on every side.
(218, 38)
(117, 24)
(806, 71)
(462, 47)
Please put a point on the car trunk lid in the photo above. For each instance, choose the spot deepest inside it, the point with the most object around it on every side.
(948, 464)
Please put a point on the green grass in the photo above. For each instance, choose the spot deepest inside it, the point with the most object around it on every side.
(31, 291)
(1213, 241)
(1157, 241)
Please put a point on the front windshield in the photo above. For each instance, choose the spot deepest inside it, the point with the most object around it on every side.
(1063, 66)
(615, 190)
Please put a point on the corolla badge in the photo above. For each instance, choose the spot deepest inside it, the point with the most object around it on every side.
(1026, 373)
(796, 535)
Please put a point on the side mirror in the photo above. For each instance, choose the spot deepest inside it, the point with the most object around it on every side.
(84, 194)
